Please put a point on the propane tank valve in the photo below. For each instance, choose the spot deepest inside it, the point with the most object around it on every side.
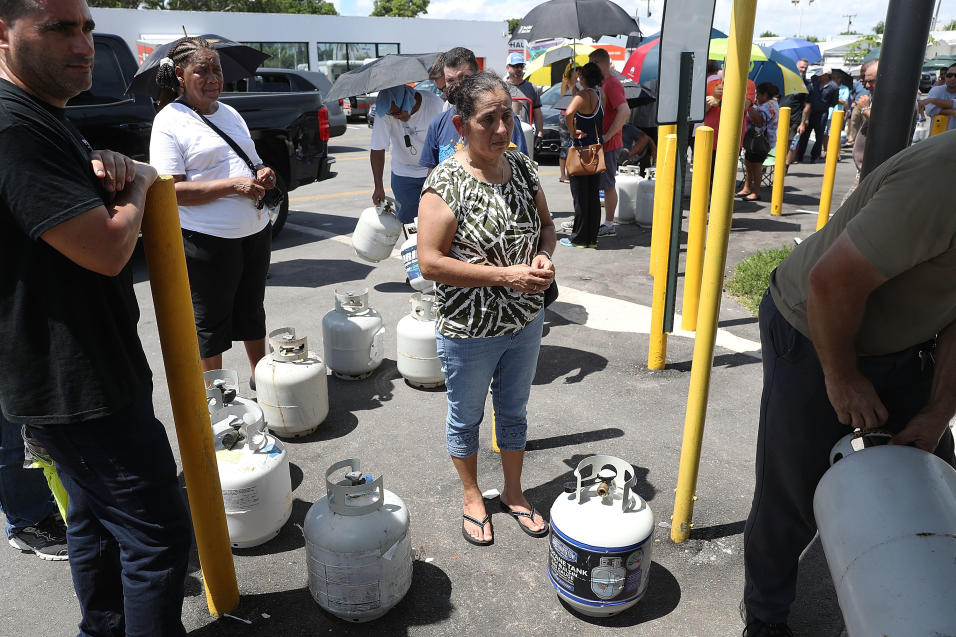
(355, 478)
(606, 478)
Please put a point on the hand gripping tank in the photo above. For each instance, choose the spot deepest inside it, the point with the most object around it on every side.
(291, 385)
(353, 335)
(253, 465)
(376, 232)
(357, 546)
(417, 350)
(601, 539)
(887, 521)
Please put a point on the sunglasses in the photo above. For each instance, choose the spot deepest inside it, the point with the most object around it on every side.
(951, 75)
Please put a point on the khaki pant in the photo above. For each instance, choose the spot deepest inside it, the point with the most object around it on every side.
(854, 123)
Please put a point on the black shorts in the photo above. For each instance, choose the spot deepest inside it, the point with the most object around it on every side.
(228, 282)
(755, 158)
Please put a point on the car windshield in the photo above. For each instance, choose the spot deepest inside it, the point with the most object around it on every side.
(550, 96)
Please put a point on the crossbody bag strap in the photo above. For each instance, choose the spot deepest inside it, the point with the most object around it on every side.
(232, 144)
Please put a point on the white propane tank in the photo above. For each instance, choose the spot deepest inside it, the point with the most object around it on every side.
(353, 335)
(528, 131)
(409, 252)
(417, 350)
(376, 232)
(627, 181)
(887, 521)
(644, 206)
(601, 539)
(291, 385)
(357, 546)
(253, 467)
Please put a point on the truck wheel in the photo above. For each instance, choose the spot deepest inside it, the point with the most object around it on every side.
(280, 220)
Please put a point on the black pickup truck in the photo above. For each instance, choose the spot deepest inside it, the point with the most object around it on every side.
(291, 130)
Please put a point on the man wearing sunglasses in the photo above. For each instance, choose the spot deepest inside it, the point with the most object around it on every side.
(521, 87)
(941, 100)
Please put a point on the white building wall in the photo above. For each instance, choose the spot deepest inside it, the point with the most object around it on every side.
(487, 39)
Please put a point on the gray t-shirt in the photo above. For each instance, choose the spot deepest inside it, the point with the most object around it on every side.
(899, 218)
(525, 89)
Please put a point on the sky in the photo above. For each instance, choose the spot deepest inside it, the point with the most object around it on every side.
(821, 18)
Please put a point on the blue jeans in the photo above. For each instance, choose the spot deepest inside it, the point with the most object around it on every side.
(407, 191)
(25, 497)
(508, 364)
(127, 529)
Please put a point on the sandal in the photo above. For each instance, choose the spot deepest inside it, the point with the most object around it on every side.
(480, 524)
(564, 180)
(521, 514)
(752, 197)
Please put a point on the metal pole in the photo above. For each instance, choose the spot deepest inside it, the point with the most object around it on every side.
(166, 261)
(829, 172)
(940, 123)
(715, 260)
(659, 198)
(897, 80)
(657, 345)
(780, 160)
(697, 225)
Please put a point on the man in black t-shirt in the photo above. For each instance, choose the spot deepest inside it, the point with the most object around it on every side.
(72, 368)
(824, 93)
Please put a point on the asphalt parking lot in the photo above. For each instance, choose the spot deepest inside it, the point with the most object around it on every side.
(592, 394)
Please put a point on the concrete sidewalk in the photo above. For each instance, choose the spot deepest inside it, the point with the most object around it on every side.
(592, 394)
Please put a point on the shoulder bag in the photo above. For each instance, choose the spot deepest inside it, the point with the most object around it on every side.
(586, 160)
(755, 140)
(551, 294)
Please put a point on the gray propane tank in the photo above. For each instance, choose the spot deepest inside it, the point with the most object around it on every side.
(644, 200)
(376, 232)
(253, 465)
(357, 546)
(887, 521)
(291, 385)
(601, 539)
(626, 183)
(417, 349)
(353, 335)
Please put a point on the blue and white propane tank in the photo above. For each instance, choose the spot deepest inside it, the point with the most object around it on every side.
(601, 538)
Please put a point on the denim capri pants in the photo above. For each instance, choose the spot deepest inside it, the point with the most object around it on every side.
(507, 363)
(407, 191)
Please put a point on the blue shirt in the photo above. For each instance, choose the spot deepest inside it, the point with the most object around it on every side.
(442, 140)
(858, 90)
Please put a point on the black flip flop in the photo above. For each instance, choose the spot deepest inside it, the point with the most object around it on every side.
(480, 524)
(521, 514)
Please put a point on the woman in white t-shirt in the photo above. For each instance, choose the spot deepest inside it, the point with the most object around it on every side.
(403, 116)
(226, 235)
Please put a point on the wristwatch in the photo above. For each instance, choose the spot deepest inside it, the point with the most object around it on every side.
(545, 253)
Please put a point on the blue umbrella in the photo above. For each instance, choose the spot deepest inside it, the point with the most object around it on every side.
(779, 70)
(796, 49)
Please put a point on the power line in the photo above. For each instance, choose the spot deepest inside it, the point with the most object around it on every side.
(849, 21)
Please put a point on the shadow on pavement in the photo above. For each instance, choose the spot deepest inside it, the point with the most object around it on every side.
(294, 612)
(717, 531)
(663, 595)
(289, 537)
(737, 321)
(574, 365)
(568, 440)
(317, 273)
(721, 360)
(764, 225)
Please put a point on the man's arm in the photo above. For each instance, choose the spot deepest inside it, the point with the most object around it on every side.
(928, 426)
(101, 239)
(538, 121)
(840, 284)
(377, 159)
(620, 118)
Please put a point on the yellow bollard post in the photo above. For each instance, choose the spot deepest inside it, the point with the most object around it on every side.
(715, 260)
(780, 160)
(659, 199)
(166, 261)
(663, 199)
(697, 225)
(829, 173)
(494, 433)
(940, 123)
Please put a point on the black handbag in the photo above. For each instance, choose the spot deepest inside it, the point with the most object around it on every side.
(551, 294)
(756, 142)
(275, 196)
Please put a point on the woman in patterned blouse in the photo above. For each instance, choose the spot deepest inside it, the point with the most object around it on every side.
(485, 236)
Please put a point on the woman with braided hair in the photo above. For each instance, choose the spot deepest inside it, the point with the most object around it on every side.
(227, 237)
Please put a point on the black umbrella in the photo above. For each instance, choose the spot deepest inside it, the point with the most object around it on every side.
(636, 94)
(237, 60)
(391, 70)
(575, 19)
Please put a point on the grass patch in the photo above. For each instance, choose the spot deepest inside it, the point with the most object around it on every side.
(752, 275)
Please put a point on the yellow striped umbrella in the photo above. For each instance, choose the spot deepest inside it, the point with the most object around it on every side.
(543, 70)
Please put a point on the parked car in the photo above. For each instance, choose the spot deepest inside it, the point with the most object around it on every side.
(927, 78)
(268, 80)
(426, 85)
(291, 130)
(551, 137)
(360, 105)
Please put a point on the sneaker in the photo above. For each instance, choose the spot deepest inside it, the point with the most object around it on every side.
(757, 628)
(567, 226)
(607, 230)
(567, 243)
(47, 540)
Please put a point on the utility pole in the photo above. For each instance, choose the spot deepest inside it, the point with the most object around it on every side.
(849, 21)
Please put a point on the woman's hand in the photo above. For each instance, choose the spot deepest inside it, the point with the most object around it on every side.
(579, 134)
(248, 187)
(266, 177)
(529, 279)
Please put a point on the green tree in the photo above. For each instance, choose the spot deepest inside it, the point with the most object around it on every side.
(769, 34)
(861, 47)
(812, 38)
(513, 24)
(950, 26)
(879, 27)
(114, 4)
(399, 8)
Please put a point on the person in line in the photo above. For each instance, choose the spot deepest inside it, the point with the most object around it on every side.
(850, 327)
(569, 86)
(584, 118)
(824, 93)
(869, 71)
(616, 111)
(227, 237)
(72, 368)
(855, 119)
(404, 116)
(797, 102)
(485, 237)
(639, 149)
(762, 115)
(842, 82)
(443, 138)
(941, 100)
(521, 87)
(714, 96)
(437, 75)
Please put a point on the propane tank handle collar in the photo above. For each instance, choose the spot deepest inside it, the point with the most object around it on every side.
(286, 347)
(387, 208)
(596, 463)
(339, 494)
